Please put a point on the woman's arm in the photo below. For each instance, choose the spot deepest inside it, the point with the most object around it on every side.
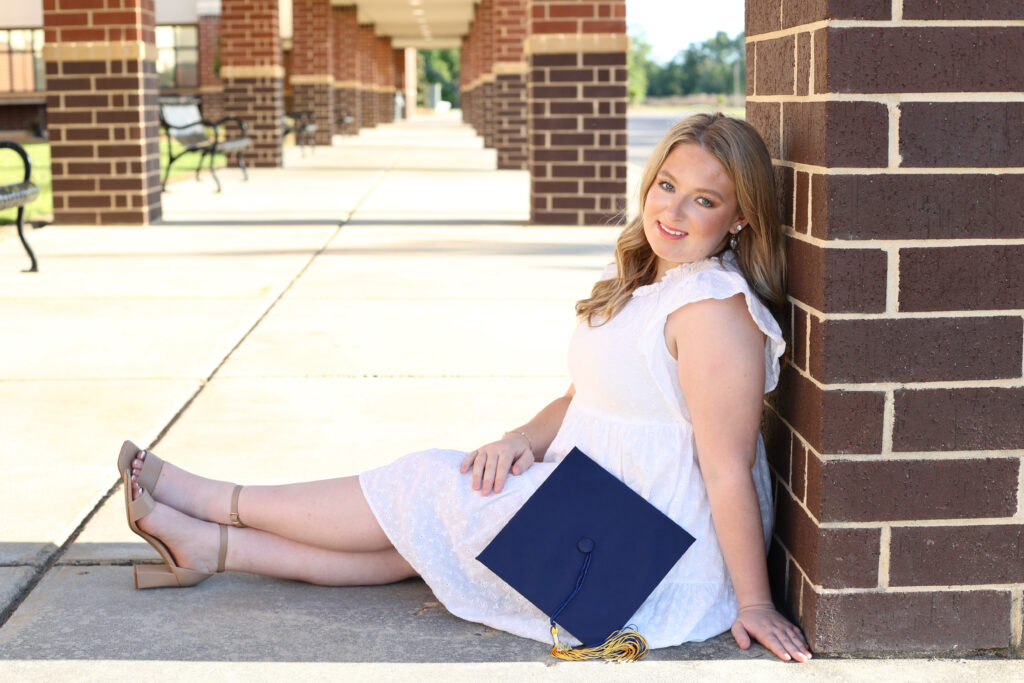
(721, 372)
(518, 448)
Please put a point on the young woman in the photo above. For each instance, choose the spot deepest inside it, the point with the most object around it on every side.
(674, 351)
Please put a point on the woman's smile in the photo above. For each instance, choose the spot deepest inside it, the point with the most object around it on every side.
(671, 233)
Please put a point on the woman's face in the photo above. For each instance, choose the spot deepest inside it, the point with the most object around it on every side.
(690, 209)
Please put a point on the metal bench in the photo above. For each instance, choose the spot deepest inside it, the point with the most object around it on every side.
(20, 194)
(183, 123)
(345, 121)
(302, 124)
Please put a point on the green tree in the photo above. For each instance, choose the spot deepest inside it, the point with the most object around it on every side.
(639, 65)
(438, 66)
(717, 65)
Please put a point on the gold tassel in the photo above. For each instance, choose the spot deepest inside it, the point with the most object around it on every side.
(621, 646)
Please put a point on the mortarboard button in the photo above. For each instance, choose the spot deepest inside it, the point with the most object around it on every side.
(585, 545)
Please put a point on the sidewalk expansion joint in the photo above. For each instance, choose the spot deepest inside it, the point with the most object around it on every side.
(8, 611)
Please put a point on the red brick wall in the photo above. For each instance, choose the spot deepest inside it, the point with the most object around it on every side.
(384, 70)
(101, 112)
(210, 85)
(311, 64)
(577, 112)
(896, 437)
(510, 127)
(369, 102)
(253, 74)
(18, 117)
(346, 56)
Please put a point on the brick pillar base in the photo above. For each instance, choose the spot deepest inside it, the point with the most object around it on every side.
(489, 124)
(346, 99)
(259, 101)
(367, 108)
(510, 116)
(577, 134)
(319, 99)
(102, 116)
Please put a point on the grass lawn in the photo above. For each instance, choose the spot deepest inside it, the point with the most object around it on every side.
(11, 171)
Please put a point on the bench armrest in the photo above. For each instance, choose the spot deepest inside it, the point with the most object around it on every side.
(230, 119)
(25, 158)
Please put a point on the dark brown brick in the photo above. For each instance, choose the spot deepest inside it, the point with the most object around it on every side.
(543, 60)
(778, 440)
(571, 75)
(605, 219)
(983, 278)
(934, 59)
(604, 59)
(762, 17)
(74, 184)
(798, 477)
(803, 63)
(938, 621)
(749, 52)
(603, 91)
(981, 134)
(916, 349)
(958, 556)
(573, 203)
(852, 134)
(572, 139)
(801, 202)
(957, 9)
(784, 190)
(764, 116)
(776, 70)
(918, 206)
(614, 155)
(832, 558)
(89, 201)
(556, 155)
(552, 218)
(557, 108)
(82, 68)
(554, 123)
(798, 345)
(572, 171)
(549, 186)
(800, 12)
(959, 419)
(831, 421)
(837, 280)
(604, 187)
(875, 491)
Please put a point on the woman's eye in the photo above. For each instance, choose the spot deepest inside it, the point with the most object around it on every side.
(705, 202)
(667, 186)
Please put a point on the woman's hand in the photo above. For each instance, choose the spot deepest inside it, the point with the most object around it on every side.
(771, 629)
(492, 463)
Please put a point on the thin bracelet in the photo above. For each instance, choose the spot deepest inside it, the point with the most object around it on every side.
(522, 434)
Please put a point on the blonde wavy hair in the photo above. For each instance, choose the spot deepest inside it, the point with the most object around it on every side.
(760, 251)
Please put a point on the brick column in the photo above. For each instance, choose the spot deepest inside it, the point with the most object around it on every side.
(510, 73)
(311, 77)
(368, 102)
(101, 113)
(896, 437)
(486, 87)
(385, 73)
(345, 56)
(253, 74)
(211, 88)
(577, 111)
(466, 76)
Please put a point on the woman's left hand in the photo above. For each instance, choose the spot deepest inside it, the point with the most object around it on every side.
(771, 629)
(492, 463)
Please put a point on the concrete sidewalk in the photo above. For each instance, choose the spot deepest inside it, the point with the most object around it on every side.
(371, 299)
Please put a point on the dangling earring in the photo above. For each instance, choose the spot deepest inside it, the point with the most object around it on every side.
(734, 241)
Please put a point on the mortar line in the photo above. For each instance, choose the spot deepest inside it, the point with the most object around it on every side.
(12, 607)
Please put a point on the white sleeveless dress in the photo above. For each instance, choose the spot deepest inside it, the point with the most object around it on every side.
(629, 415)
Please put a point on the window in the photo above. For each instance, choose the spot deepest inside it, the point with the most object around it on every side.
(21, 60)
(177, 57)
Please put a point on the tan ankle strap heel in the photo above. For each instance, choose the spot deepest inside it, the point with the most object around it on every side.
(233, 516)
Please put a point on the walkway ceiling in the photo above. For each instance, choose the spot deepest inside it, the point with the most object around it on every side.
(423, 24)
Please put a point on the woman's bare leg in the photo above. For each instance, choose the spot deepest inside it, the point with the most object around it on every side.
(331, 514)
(195, 543)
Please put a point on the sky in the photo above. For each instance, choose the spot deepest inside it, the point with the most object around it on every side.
(671, 25)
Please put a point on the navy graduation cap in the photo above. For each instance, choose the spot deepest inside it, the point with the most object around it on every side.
(587, 550)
